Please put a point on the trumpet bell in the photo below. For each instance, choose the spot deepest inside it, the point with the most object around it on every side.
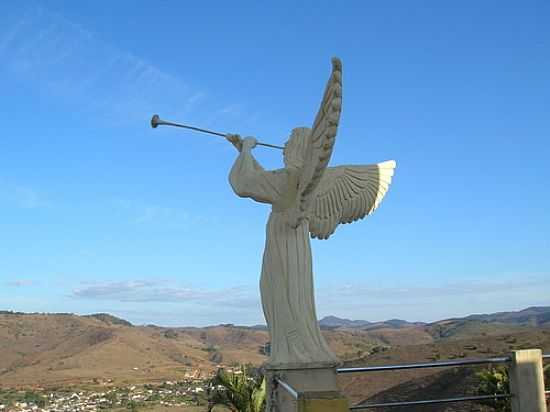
(155, 121)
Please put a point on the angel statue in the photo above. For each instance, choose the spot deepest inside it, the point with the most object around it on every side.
(307, 198)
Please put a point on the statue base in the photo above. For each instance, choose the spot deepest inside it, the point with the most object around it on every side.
(315, 386)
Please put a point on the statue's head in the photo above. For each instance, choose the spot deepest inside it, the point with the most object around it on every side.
(295, 147)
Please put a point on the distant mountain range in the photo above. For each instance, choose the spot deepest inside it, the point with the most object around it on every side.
(330, 322)
(532, 316)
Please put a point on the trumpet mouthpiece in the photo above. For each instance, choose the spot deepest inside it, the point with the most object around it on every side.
(155, 121)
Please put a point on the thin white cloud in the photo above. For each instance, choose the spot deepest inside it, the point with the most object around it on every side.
(232, 109)
(141, 213)
(66, 59)
(415, 302)
(22, 196)
(155, 291)
(18, 283)
(473, 287)
(29, 198)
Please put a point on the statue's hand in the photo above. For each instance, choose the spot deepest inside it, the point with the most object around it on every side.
(235, 140)
(249, 143)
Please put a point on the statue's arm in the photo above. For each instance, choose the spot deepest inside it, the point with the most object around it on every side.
(247, 177)
(243, 172)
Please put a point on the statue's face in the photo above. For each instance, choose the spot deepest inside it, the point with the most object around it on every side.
(295, 148)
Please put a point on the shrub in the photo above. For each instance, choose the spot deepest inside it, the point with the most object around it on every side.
(492, 381)
(244, 391)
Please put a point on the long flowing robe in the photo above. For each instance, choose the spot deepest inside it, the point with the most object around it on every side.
(286, 282)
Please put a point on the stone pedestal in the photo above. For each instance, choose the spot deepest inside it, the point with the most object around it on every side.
(527, 381)
(315, 386)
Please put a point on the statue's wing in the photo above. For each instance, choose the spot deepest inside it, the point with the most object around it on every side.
(346, 194)
(323, 133)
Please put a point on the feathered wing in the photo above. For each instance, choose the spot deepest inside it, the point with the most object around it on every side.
(323, 133)
(346, 194)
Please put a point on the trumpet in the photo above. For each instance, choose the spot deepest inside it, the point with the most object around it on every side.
(157, 121)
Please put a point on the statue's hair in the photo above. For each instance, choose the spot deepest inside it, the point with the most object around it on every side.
(296, 146)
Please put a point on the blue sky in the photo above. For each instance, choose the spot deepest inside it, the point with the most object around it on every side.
(100, 213)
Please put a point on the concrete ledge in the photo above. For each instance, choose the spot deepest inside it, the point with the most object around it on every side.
(338, 404)
(306, 396)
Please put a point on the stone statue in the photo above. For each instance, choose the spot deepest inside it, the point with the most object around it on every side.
(307, 198)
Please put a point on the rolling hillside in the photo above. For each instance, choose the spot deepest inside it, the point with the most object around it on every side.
(360, 387)
(54, 349)
(60, 349)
